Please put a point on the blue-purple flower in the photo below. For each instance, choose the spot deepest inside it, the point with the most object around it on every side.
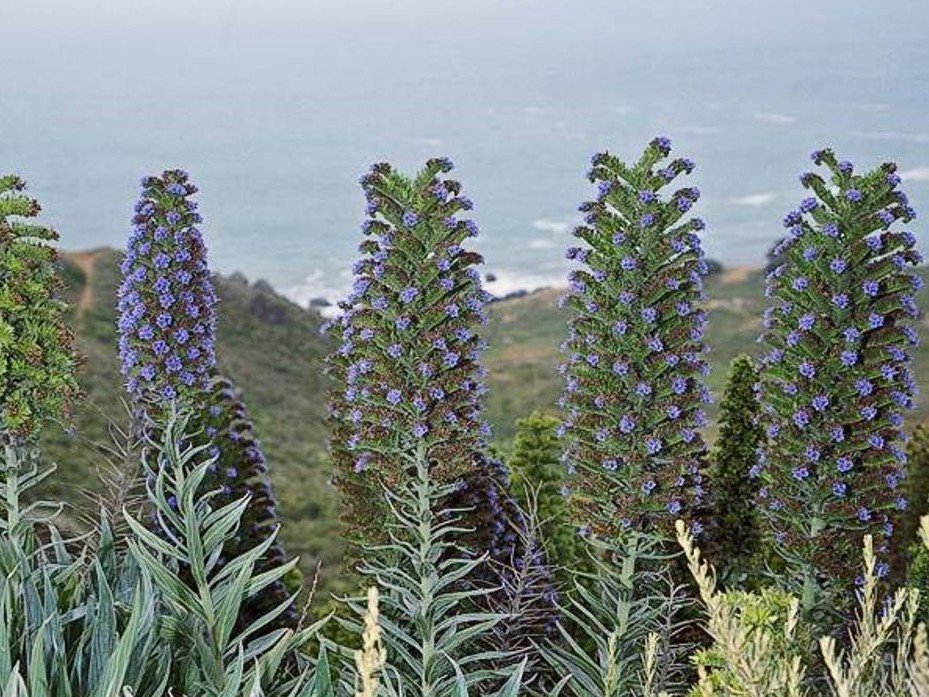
(638, 404)
(851, 352)
(166, 350)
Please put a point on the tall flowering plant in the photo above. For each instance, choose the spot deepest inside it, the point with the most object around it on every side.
(37, 360)
(836, 377)
(166, 299)
(634, 353)
(167, 351)
(407, 371)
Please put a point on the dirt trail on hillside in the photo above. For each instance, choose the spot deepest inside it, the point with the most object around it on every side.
(85, 261)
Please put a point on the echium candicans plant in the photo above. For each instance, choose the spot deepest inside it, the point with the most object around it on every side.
(166, 299)
(634, 353)
(168, 358)
(37, 361)
(407, 370)
(836, 377)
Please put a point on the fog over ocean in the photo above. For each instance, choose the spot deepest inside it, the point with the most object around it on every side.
(277, 110)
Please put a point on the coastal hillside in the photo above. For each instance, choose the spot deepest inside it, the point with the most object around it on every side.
(273, 350)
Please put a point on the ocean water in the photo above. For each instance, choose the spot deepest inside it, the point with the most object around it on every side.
(277, 116)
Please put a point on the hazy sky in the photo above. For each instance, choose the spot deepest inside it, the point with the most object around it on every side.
(282, 103)
(645, 20)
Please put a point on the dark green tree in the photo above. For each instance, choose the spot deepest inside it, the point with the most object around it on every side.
(536, 470)
(733, 532)
(917, 486)
(906, 534)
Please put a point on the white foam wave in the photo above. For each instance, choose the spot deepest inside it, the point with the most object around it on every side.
(753, 200)
(541, 244)
(779, 119)
(917, 174)
(332, 288)
(317, 286)
(509, 281)
(431, 142)
(559, 227)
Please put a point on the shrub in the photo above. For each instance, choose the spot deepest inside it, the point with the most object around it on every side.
(240, 465)
(837, 376)
(101, 622)
(761, 640)
(635, 348)
(37, 361)
(429, 641)
(621, 631)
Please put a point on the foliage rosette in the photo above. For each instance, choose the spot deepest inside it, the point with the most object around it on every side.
(408, 368)
(166, 299)
(635, 351)
(836, 374)
(37, 360)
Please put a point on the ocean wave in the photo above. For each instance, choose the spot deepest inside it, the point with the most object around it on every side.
(320, 288)
(917, 174)
(550, 225)
(753, 200)
(780, 119)
(699, 130)
(541, 244)
(508, 281)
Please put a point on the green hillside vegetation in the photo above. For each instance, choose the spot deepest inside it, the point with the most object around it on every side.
(273, 351)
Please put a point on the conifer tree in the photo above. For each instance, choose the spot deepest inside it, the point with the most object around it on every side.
(536, 469)
(733, 530)
(917, 487)
(908, 550)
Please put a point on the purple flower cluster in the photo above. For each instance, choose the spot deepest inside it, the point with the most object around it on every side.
(407, 373)
(166, 299)
(837, 371)
(634, 306)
